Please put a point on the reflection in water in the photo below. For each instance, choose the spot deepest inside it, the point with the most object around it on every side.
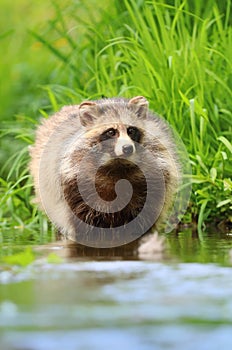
(208, 247)
(185, 245)
(149, 247)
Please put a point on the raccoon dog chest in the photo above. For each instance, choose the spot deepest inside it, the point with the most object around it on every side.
(104, 171)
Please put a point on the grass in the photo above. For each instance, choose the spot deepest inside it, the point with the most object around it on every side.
(175, 53)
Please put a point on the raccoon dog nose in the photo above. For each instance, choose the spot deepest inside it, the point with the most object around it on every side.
(127, 149)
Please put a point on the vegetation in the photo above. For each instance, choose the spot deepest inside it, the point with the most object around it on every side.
(176, 53)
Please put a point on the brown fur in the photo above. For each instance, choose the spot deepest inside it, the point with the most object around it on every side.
(64, 140)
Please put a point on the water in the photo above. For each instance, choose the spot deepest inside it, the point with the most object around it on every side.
(181, 299)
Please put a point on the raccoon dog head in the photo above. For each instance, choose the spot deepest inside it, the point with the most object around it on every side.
(114, 126)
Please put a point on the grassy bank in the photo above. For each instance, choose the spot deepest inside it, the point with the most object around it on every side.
(175, 53)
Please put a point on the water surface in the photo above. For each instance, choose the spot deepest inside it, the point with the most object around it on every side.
(181, 299)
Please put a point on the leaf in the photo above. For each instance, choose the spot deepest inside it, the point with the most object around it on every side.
(202, 215)
(226, 142)
(222, 203)
(227, 184)
(200, 161)
(213, 174)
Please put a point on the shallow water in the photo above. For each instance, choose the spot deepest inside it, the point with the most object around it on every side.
(180, 300)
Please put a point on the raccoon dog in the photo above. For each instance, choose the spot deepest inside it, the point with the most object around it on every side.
(105, 171)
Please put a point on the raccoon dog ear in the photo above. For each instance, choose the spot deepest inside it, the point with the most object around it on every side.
(88, 112)
(141, 105)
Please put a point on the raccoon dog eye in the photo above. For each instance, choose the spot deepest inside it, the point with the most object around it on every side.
(134, 133)
(110, 133)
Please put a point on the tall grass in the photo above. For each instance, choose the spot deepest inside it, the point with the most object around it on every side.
(176, 53)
